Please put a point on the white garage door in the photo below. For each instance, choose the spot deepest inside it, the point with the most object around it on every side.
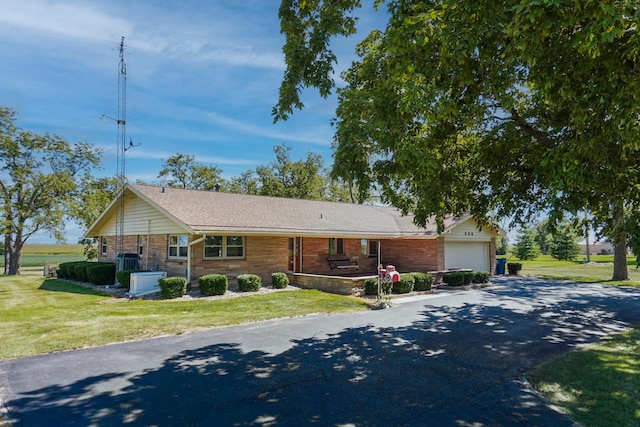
(473, 255)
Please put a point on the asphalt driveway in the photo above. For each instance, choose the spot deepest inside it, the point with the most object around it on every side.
(455, 359)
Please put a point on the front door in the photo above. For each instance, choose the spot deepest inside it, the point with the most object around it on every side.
(295, 254)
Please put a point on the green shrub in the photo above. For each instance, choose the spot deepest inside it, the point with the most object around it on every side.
(173, 287)
(468, 277)
(279, 280)
(404, 285)
(423, 281)
(213, 284)
(61, 272)
(371, 286)
(249, 282)
(514, 267)
(80, 271)
(453, 279)
(102, 274)
(481, 277)
(124, 277)
(67, 270)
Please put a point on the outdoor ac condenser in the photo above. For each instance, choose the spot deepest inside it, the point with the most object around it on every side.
(145, 282)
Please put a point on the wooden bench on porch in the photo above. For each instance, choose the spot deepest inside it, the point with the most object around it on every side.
(342, 262)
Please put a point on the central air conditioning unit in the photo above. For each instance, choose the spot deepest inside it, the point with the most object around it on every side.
(145, 282)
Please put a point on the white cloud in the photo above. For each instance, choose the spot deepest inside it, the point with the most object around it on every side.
(75, 21)
(310, 136)
(147, 29)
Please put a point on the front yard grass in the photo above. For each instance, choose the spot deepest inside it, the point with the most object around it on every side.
(599, 271)
(598, 385)
(40, 316)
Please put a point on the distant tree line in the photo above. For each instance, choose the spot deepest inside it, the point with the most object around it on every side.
(298, 179)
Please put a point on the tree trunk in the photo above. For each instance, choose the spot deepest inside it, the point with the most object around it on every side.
(620, 270)
(586, 233)
(15, 255)
(7, 240)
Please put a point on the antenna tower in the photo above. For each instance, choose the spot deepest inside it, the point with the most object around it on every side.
(121, 149)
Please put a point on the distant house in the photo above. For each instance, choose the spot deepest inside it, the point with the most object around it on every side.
(598, 248)
(192, 233)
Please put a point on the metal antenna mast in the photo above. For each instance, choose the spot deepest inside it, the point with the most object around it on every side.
(122, 124)
(121, 150)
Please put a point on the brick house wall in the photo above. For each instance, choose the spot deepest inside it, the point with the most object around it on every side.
(269, 254)
(413, 255)
(263, 256)
(315, 254)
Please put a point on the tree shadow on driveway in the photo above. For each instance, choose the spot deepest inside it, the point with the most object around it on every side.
(458, 365)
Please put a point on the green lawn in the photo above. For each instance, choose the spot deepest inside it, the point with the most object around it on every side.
(598, 385)
(40, 316)
(601, 272)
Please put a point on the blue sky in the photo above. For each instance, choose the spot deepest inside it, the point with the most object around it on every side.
(202, 78)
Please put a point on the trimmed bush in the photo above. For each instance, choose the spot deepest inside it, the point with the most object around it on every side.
(279, 280)
(481, 277)
(371, 286)
(66, 270)
(80, 271)
(423, 281)
(102, 274)
(468, 277)
(249, 282)
(514, 267)
(405, 285)
(173, 287)
(124, 277)
(61, 272)
(453, 279)
(213, 284)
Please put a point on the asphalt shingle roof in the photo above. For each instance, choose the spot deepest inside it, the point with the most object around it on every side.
(206, 211)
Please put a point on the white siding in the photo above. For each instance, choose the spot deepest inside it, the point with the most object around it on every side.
(140, 219)
(469, 231)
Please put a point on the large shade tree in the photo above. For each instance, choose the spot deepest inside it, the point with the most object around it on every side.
(182, 171)
(505, 107)
(38, 183)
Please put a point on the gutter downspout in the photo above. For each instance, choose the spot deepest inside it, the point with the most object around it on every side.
(146, 251)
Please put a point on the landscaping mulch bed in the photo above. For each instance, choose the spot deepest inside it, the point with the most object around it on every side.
(233, 291)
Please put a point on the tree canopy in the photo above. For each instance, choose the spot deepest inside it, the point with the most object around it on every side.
(38, 182)
(297, 179)
(181, 170)
(503, 108)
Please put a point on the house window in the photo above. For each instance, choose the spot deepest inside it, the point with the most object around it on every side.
(103, 246)
(336, 246)
(178, 246)
(373, 247)
(140, 245)
(224, 247)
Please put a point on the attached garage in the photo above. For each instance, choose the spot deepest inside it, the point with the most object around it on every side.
(474, 255)
(468, 246)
